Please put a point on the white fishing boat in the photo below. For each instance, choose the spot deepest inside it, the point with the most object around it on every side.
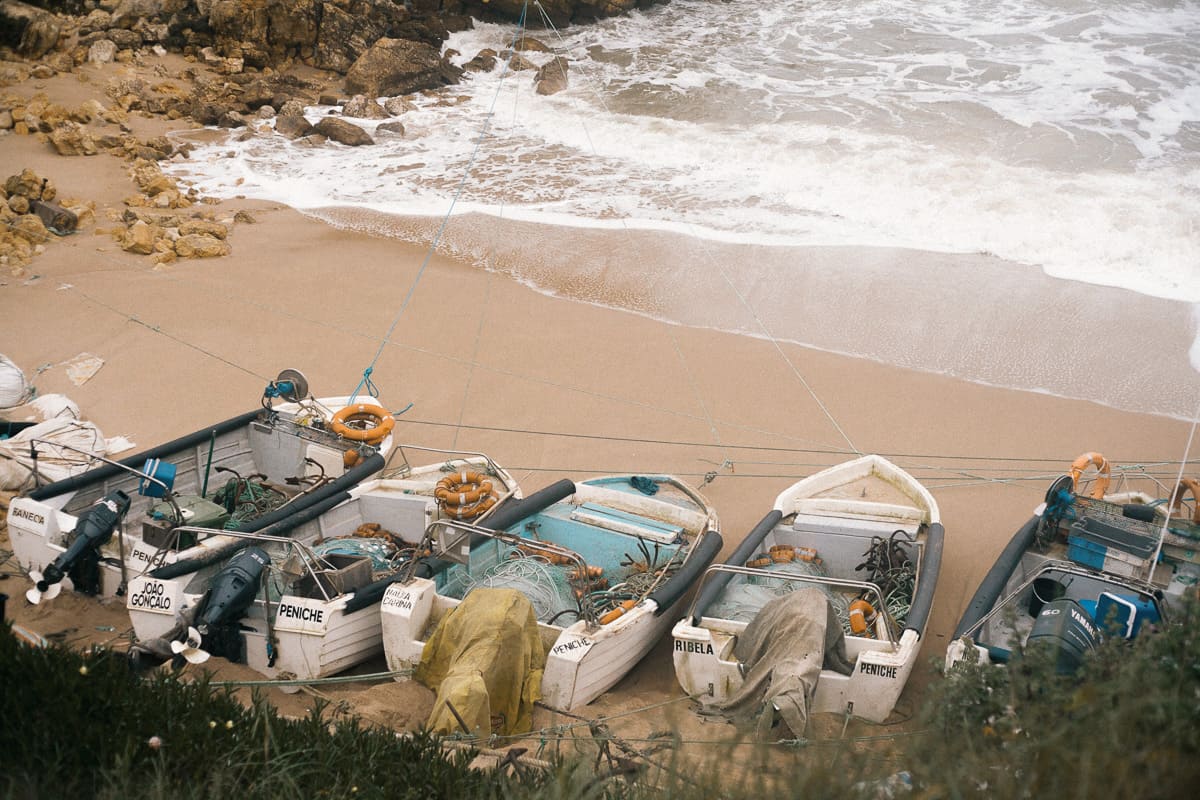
(99, 529)
(604, 562)
(869, 537)
(300, 598)
(1088, 564)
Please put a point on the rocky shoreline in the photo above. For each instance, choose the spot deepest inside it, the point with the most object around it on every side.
(250, 66)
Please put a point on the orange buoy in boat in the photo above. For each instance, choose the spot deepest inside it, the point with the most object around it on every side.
(862, 614)
(1103, 470)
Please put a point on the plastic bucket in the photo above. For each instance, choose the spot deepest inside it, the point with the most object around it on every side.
(1045, 590)
(163, 471)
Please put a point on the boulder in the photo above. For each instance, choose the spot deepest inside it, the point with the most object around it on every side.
(72, 139)
(31, 31)
(200, 245)
(102, 51)
(350, 27)
(293, 126)
(362, 107)
(552, 77)
(202, 226)
(395, 106)
(391, 127)
(138, 238)
(396, 66)
(30, 228)
(341, 131)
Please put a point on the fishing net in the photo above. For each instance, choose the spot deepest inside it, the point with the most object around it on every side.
(745, 595)
(547, 586)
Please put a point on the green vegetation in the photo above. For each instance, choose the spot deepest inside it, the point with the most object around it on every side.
(1128, 725)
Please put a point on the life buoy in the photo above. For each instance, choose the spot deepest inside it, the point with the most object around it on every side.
(1187, 485)
(1103, 473)
(344, 423)
(468, 511)
(463, 488)
(465, 494)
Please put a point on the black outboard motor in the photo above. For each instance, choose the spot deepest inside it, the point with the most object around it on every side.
(1064, 627)
(93, 530)
(232, 589)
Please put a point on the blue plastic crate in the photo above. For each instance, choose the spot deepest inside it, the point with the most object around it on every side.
(1090, 554)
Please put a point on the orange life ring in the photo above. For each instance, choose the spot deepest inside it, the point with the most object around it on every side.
(1186, 485)
(463, 488)
(469, 511)
(382, 423)
(1103, 476)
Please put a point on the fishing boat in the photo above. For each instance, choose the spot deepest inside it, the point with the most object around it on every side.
(865, 534)
(604, 562)
(301, 597)
(1088, 564)
(100, 528)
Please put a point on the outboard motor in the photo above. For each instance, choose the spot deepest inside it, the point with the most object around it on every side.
(232, 590)
(93, 530)
(1065, 627)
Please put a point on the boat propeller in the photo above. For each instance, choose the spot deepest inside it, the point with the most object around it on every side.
(231, 591)
(94, 529)
(190, 648)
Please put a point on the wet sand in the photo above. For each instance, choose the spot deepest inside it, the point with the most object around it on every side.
(550, 387)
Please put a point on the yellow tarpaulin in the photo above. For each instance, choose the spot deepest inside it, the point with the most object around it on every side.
(486, 659)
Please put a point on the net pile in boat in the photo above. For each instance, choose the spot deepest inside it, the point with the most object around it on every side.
(745, 595)
(546, 585)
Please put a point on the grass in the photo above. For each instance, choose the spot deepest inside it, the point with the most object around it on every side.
(79, 724)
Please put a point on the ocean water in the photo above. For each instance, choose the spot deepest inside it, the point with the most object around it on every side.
(1007, 192)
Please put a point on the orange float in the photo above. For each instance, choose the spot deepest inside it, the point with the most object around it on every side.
(862, 614)
(1103, 470)
(1187, 485)
(346, 423)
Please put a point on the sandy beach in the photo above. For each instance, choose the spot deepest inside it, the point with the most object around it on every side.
(548, 386)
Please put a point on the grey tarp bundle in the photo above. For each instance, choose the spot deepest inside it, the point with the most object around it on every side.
(782, 652)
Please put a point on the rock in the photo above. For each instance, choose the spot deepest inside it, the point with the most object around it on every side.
(199, 245)
(123, 39)
(396, 66)
(360, 107)
(348, 31)
(292, 126)
(71, 139)
(203, 226)
(329, 100)
(484, 61)
(265, 112)
(138, 238)
(29, 184)
(391, 127)
(528, 44)
(292, 108)
(341, 131)
(30, 228)
(6, 120)
(395, 106)
(231, 119)
(19, 204)
(552, 77)
(34, 32)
